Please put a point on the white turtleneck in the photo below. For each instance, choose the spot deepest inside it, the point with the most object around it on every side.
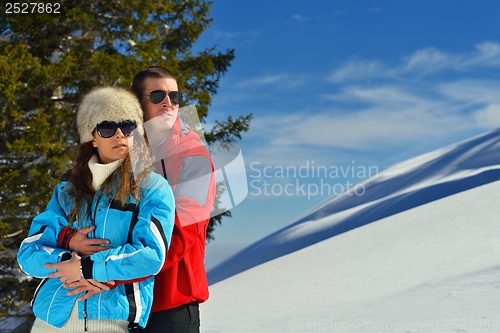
(100, 172)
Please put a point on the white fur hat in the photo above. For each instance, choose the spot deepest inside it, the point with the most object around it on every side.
(107, 103)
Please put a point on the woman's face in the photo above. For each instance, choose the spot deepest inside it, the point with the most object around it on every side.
(113, 148)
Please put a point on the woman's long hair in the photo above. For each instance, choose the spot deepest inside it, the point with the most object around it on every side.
(122, 183)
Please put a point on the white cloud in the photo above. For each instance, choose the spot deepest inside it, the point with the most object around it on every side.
(479, 97)
(218, 34)
(280, 80)
(421, 63)
(489, 116)
(472, 91)
(355, 70)
(378, 95)
(380, 109)
(488, 54)
(371, 129)
(394, 118)
(300, 18)
(427, 61)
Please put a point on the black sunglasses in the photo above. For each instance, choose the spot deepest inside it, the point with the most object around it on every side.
(107, 129)
(157, 96)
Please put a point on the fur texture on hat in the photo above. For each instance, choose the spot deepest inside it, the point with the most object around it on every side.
(107, 104)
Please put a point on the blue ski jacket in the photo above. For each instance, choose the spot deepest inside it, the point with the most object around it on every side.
(139, 234)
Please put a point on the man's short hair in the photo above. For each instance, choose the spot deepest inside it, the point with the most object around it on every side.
(153, 72)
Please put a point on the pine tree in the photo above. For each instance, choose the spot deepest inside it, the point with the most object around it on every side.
(49, 60)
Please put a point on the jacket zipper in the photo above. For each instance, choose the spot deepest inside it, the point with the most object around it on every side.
(92, 221)
(85, 316)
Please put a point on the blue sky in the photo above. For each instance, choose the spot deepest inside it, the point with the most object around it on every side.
(350, 87)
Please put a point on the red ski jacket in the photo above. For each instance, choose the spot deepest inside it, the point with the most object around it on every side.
(186, 164)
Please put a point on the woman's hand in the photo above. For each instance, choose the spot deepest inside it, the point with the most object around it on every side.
(67, 271)
(90, 287)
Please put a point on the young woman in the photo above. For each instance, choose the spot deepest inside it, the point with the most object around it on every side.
(112, 189)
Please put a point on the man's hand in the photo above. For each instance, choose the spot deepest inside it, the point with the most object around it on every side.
(85, 246)
(66, 271)
(92, 287)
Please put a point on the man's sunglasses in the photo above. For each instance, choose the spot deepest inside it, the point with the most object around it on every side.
(157, 96)
(107, 129)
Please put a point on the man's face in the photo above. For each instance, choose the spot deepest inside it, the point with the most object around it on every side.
(165, 112)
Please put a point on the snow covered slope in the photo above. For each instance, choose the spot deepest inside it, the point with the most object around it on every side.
(404, 186)
(433, 268)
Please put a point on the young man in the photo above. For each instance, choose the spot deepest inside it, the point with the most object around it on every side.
(185, 162)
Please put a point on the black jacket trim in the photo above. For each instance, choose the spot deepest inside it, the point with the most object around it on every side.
(87, 266)
(129, 291)
(158, 225)
(133, 222)
(117, 204)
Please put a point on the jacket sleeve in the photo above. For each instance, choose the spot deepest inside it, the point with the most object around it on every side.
(150, 237)
(40, 247)
(194, 197)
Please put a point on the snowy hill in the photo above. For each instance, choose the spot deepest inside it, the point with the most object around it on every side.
(433, 268)
(406, 185)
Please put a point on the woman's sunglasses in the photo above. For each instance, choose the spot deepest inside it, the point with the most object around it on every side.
(157, 96)
(107, 129)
